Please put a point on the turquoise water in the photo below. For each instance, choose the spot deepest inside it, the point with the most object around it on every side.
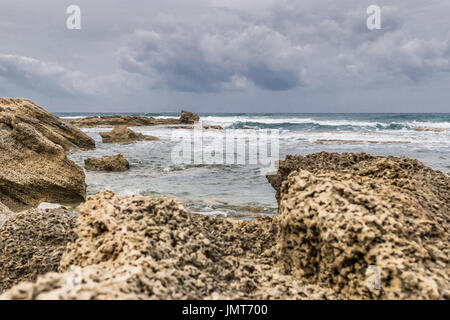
(240, 189)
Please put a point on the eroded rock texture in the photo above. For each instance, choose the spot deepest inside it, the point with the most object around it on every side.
(33, 162)
(134, 247)
(333, 227)
(107, 163)
(32, 243)
(428, 187)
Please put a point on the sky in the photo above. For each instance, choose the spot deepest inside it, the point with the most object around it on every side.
(227, 55)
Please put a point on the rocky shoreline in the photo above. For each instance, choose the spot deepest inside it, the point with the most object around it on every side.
(340, 217)
(186, 117)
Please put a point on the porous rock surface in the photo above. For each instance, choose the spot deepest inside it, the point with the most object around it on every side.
(349, 226)
(428, 187)
(107, 163)
(33, 162)
(122, 134)
(343, 229)
(32, 243)
(135, 247)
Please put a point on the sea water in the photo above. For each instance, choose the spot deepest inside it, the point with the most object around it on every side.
(241, 191)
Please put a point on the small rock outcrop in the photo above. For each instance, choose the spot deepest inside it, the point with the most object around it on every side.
(123, 134)
(33, 162)
(107, 163)
(32, 243)
(188, 117)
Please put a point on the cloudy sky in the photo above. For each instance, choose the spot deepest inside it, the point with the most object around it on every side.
(227, 55)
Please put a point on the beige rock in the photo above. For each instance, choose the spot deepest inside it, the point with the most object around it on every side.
(22, 111)
(107, 163)
(364, 241)
(135, 247)
(33, 162)
(122, 134)
(429, 187)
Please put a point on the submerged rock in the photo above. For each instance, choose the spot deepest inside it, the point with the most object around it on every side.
(32, 243)
(107, 163)
(122, 134)
(33, 162)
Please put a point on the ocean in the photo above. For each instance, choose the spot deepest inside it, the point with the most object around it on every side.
(240, 190)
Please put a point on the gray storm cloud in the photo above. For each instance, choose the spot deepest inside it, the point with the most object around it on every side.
(223, 47)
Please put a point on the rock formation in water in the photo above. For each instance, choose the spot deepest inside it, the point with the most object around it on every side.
(33, 162)
(32, 243)
(107, 163)
(186, 117)
(349, 226)
(122, 134)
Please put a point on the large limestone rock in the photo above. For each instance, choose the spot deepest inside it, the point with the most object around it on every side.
(363, 237)
(135, 247)
(122, 134)
(107, 163)
(32, 243)
(33, 162)
(429, 187)
(25, 113)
